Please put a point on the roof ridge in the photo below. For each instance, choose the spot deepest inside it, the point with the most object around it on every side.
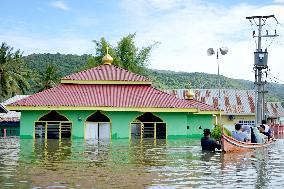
(107, 72)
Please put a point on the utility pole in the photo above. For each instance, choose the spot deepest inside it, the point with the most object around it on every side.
(260, 64)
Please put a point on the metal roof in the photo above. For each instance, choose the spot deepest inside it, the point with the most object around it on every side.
(121, 96)
(106, 72)
(9, 119)
(232, 101)
(14, 99)
(12, 116)
(274, 109)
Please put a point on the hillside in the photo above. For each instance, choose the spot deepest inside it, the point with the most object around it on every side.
(67, 64)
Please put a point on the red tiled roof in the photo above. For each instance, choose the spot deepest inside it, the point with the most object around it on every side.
(108, 73)
(122, 96)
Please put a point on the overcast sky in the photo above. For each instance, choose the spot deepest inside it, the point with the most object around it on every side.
(184, 28)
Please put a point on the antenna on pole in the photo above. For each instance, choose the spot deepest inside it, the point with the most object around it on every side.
(260, 63)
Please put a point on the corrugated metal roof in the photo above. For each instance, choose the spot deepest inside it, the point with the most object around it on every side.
(14, 99)
(106, 72)
(9, 119)
(125, 96)
(274, 109)
(232, 101)
(11, 115)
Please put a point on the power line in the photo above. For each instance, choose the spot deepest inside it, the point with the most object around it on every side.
(260, 65)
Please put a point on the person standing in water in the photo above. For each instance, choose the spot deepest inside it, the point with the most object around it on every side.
(207, 143)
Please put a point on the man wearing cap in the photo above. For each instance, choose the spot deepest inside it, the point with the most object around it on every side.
(207, 143)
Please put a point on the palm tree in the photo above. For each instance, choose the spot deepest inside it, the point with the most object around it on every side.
(49, 78)
(13, 73)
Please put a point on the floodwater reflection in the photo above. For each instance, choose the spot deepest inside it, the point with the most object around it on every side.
(135, 164)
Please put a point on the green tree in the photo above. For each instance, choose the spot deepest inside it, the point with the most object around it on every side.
(49, 78)
(13, 73)
(125, 54)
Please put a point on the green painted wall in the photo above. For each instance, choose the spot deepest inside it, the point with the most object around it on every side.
(176, 124)
(194, 121)
(28, 119)
(120, 123)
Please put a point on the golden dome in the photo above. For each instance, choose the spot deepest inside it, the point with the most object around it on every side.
(107, 59)
(189, 94)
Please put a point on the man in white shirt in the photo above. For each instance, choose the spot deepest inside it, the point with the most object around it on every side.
(263, 122)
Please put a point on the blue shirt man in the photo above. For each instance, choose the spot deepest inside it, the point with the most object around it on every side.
(238, 134)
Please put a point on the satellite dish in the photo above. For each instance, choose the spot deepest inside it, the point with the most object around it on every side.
(210, 52)
(224, 50)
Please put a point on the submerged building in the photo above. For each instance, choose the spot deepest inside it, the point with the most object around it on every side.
(110, 102)
(238, 105)
(10, 120)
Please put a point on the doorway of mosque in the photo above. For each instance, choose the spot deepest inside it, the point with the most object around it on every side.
(98, 126)
(148, 126)
(53, 126)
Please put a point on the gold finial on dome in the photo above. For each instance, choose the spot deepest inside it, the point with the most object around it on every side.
(189, 95)
(107, 59)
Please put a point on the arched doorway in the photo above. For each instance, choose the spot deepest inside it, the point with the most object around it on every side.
(53, 126)
(148, 126)
(97, 126)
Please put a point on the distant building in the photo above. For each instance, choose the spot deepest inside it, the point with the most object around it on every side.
(274, 113)
(108, 102)
(10, 120)
(238, 105)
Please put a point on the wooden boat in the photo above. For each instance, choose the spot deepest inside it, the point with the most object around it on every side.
(230, 144)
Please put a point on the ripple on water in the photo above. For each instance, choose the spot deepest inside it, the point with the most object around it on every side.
(135, 164)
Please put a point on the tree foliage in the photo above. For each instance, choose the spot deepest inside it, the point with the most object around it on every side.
(36, 67)
(13, 73)
(125, 54)
(48, 78)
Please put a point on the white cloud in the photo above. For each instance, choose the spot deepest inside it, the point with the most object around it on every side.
(278, 1)
(60, 5)
(39, 44)
(186, 29)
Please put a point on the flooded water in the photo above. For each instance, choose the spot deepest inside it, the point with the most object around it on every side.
(125, 164)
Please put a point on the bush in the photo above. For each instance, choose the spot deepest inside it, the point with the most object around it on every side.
(217, 132)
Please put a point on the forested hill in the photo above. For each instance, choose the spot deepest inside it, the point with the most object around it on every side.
(67, 64)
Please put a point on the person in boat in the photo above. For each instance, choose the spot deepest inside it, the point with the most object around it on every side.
(263, 122)
(208, 143)
(238, 134)
(247, 130)
(256, 136)
(268, 134)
